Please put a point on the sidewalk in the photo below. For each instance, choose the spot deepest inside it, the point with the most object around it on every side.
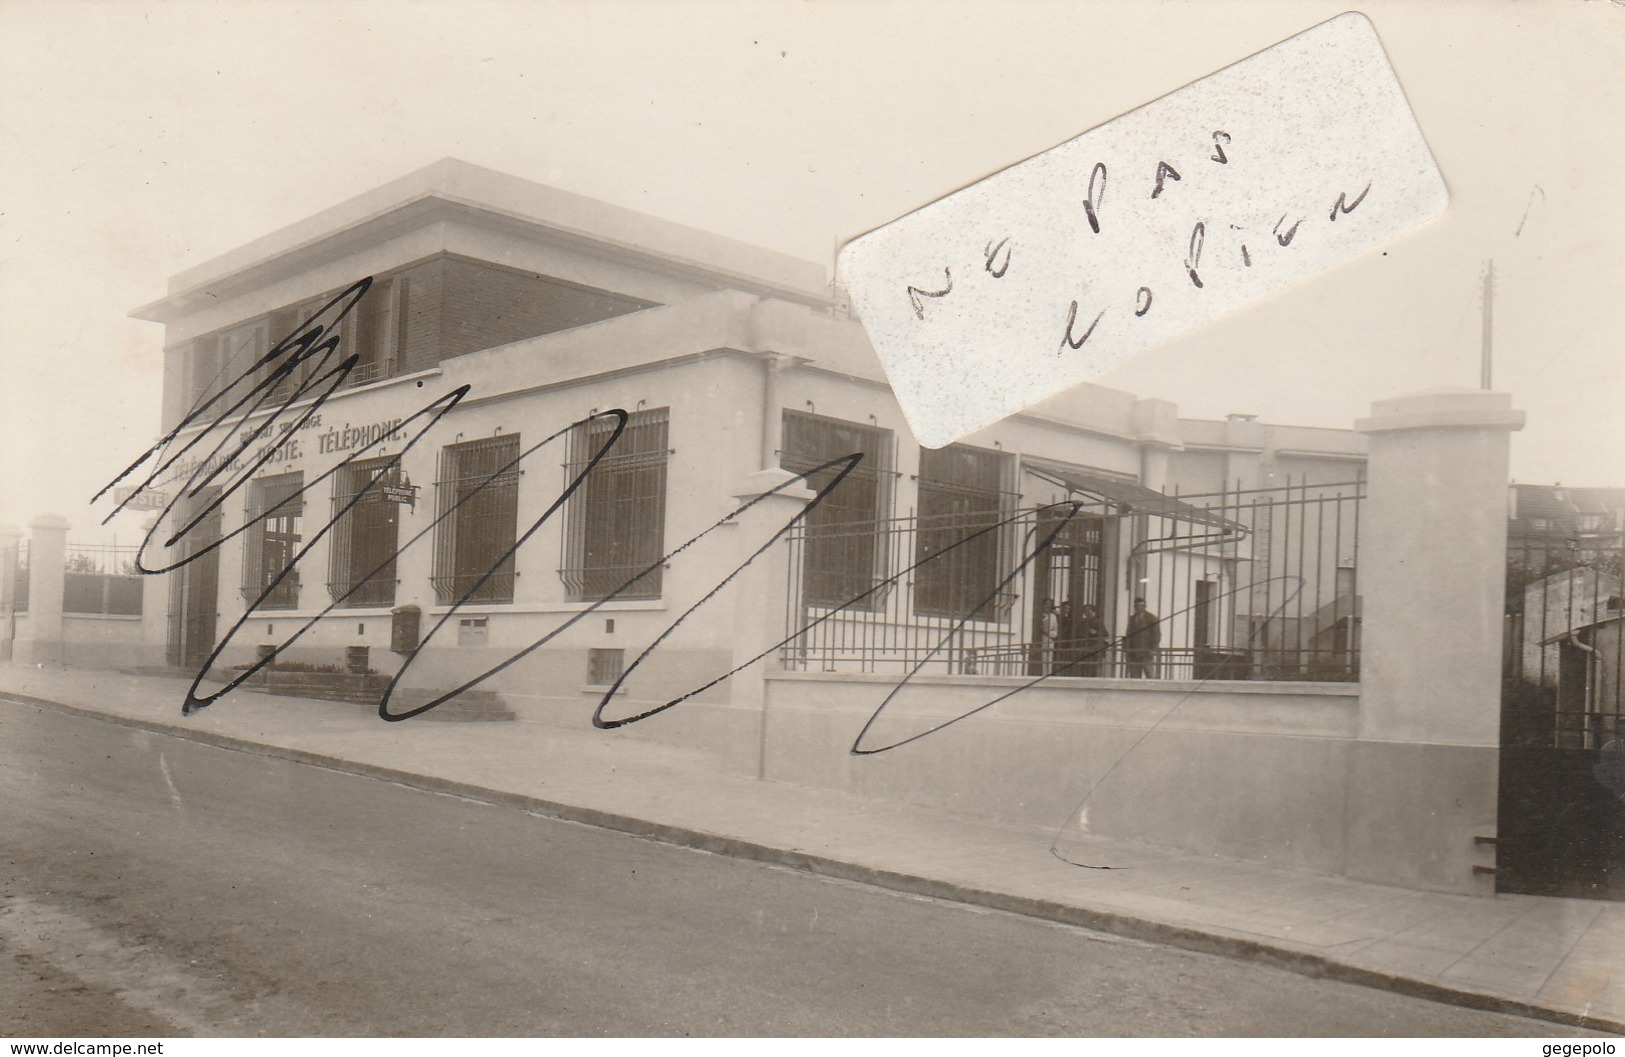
(1557, 959)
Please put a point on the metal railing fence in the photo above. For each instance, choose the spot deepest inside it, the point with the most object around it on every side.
(101, 580)
(1048, 591)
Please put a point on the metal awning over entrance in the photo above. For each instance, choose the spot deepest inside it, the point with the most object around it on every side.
(1135, 497)
(1589, 625)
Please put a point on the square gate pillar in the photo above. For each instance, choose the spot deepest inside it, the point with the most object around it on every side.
(1423, 770)
(41, 642)
(774, 497)
(1433, 566)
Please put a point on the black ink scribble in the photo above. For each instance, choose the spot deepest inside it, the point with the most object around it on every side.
(437, 410)
(1246, 258)
(472, 591)
(1142, 300)
(1097, 196)
(303, 344)
(1525, 219)
(306, 342)
(991, 252)
(1218, 148)
(1071, 319)
(1339, 207)
(310, 341)
(915, 293)
(1164, 171)
(1194, 258)
(1072, 507)
(851, 461)
(1286, 240)
(848, 464)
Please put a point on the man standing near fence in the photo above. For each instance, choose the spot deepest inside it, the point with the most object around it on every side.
(1140, 642)
(1094, 642)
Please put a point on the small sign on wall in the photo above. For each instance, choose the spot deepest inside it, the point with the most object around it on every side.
(135, 498)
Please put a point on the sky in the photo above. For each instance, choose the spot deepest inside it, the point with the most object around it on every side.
(142, 138)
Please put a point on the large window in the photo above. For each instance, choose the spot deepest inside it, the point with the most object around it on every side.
(617, 523)
(411, 319)
(375, 335)
(1203, 625)
(222, 359)
(204, 375)
(478, 500)
(285, 324)
(961, 494)
(273, 538)
(843, 557)
(361, 568)
(292, 323)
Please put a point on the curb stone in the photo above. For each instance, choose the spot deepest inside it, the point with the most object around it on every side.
(1185, 937)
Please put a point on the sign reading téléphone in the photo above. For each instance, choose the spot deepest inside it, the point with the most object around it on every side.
(288, 449)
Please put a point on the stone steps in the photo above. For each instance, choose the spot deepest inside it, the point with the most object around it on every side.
(471, 706)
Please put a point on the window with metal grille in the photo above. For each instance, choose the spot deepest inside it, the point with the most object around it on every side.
(616, 531)
(844, 555)
(961, 495)
(361, 563)
(478, 495)
(605, 666)
(275, 509)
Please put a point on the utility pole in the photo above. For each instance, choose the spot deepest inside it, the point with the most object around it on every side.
(1484, 373)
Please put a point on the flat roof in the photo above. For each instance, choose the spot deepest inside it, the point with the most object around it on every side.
(457, 190)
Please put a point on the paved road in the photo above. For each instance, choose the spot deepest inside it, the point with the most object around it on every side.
(153, 886)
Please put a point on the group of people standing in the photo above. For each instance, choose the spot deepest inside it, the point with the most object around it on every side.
(1078, 644)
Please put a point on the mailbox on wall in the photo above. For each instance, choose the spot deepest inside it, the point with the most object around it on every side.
(403, 629)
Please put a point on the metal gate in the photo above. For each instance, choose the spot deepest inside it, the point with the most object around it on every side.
(1561, 829)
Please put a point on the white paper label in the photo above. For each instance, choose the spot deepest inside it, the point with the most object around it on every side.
(1160, 221)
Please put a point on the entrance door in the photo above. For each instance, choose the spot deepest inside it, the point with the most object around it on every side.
(1561, 827)
(195, 596)
(1068, 575)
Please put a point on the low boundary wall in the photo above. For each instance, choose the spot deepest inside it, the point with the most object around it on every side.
(1263, 772)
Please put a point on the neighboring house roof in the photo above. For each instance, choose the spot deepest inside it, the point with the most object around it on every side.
(1555, 511)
